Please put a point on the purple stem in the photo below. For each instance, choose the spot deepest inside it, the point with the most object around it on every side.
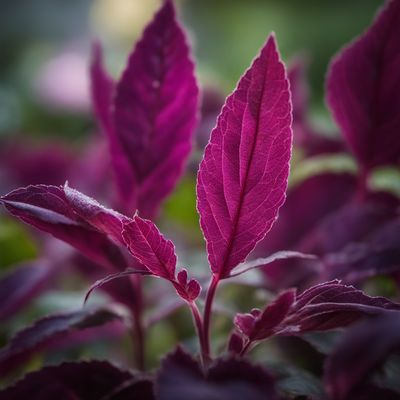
(207, 316)
(200, 333)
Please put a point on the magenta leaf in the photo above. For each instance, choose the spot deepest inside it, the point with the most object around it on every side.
(155, 112)
(146, 243)
(157, 254)
(18, 287)
(361, 350)
(81, 380)
(48, 209)
(243, 176)
(363, 91)
(180, 377)
(263, 262)
(54, 328)
(326, 306)
(105, 220)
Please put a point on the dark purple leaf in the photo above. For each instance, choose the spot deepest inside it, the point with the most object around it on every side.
(329, 305)
(354, 222)
(211, 103)
(235, 344)
(180, 377)
(310, 141)
(300, 97)
(18, 287)
(306, 206)
(102, 88)
(243, 176)
(259, 325)
(122, 291)
(379, 255)
(91, 380)
(28, 163)
(48, 209)
(373, 392)
(46, 331)
(157, 254)
(361, 350)
(363, 91)
(156, 110)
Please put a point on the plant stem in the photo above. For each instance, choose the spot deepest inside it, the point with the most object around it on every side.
(246, 348)
(199, 328)
(207, 316)
(138, 330)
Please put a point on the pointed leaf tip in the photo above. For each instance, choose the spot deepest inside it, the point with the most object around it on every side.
(155, 113)
(363, 91)
(157, 254)
(242, 179)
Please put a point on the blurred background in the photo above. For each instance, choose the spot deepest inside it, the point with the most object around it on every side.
(47, 128)
(45, 52)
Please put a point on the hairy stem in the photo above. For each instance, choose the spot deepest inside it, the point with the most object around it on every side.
(207, 315)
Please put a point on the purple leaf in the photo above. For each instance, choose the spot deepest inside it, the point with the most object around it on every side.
(378, 255)
(147, 244)
(243, 177)
(354, 222)
(259, 325)
(102, 90)
(18, 287)
(112, 277)
(27, 162)
(103, 219)
(363, 348)
(46, 331)
(48, 209)
(212, 101)
(180, 377)
(329, 305)
(263, 262)
(155, 111)
(310, 141)
(307, 204)
(84, 380)
(157, 254)
(235, 344)
(363, 91)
